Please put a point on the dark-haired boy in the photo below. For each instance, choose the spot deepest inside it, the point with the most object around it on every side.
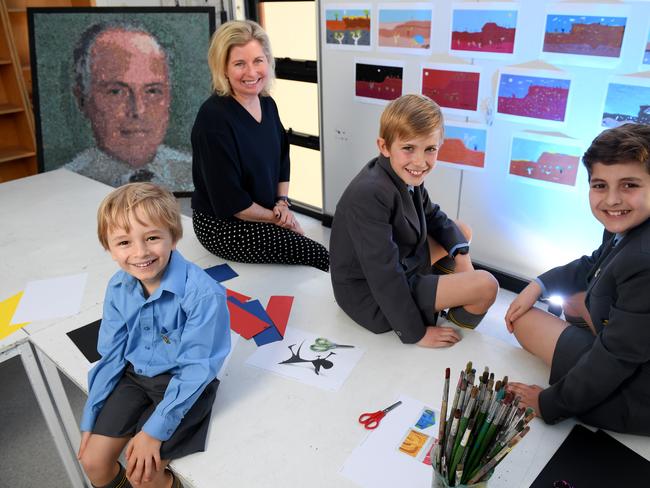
(599, 357)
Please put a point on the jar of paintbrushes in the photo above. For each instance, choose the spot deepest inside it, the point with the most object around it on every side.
(482, 425)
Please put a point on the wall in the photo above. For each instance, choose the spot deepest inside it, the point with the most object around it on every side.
(519, 227)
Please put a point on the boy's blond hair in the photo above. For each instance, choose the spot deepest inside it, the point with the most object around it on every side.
(410, 116)
(156, 203)
(231, 34)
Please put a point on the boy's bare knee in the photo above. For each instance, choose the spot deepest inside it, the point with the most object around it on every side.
(489, 288)
(96, 466)
(465, 229)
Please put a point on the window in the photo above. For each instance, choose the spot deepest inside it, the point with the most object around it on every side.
(295, 45)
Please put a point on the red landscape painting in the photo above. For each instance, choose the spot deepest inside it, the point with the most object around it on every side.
(454, 151)
(451, 89)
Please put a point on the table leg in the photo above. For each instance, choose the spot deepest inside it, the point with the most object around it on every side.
(66, 452)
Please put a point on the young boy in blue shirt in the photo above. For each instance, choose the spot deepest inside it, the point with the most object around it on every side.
(387, 234)
(600, 356)
(163, 338)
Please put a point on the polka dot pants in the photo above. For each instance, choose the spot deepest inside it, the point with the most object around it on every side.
(257, 242)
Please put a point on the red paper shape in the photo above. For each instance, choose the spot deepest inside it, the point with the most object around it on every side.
(279, 309)
(243, 322)
(239, 296)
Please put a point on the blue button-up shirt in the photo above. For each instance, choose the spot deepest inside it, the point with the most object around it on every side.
(182, 329)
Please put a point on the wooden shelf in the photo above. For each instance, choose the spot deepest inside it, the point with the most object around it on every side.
(9, 108)
(13, 153)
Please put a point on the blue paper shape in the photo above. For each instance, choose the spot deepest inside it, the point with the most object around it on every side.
(268, 335)
(221, 272)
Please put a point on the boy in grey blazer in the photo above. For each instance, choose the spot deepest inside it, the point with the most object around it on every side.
(387, 233)
(600, 356)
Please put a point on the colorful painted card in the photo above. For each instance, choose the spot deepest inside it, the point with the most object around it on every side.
(464, 145)
(378, 81)
(405, 27)
(483, 30)
(584, 34)
(627, 100)
(455, 87)
(347, 26)
(419, 437)
(538, 97)
(543, 159)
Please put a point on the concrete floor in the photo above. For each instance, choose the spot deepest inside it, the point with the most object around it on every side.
(28, 458)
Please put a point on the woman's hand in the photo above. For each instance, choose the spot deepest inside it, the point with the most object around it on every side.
(522, 304)
(285, 218)
(439, 337)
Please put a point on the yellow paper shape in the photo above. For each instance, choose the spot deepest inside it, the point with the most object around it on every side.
(7, 309)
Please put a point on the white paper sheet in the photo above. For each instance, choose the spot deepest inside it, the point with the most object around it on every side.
(378, 463)
(50, 299)
(344, 359)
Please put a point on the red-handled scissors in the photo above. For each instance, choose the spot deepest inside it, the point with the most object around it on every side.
(371, 420)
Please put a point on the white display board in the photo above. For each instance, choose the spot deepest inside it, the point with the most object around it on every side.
(525, 219)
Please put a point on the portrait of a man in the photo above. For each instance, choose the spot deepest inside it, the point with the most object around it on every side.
(124, 92)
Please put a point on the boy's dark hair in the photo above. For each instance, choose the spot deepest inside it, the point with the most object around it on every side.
(627, 143)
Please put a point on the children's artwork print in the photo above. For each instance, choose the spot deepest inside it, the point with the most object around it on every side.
(378, 83)
(413, 443)
(420, 435)
(378, 461)
(348, 26)
(293, 358)
(628, 100)
(404, 29)
(317, 363)
(453, 88)
(584, 35)
(464, 146)
(535, 97)
(477, 30)
(545, 159)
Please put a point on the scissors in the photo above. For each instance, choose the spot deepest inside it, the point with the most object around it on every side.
(321, 345)
(371, 420)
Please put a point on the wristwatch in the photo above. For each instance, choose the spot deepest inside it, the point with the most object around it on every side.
(461, 250)
(283, 198)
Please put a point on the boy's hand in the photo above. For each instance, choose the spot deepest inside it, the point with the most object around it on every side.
(84, 442)
(439, 337)
(142, 457)
(522, 304)
(529, 395)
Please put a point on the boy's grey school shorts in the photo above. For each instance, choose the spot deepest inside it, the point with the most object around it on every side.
(134, 399)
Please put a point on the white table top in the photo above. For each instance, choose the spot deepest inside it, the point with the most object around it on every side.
(49, 230)
(266, 430)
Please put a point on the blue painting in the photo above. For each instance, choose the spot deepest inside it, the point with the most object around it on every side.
(626, 103)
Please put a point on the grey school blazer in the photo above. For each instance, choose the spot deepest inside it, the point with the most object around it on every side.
(617, 367)
(378, 242)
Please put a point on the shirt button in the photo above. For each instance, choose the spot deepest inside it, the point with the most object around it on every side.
(147, 328)
(147, 347)
(169, 431)
(398, 333)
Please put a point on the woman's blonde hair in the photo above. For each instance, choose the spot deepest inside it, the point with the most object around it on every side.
(155, 203)
(236, 33)
(410, 116)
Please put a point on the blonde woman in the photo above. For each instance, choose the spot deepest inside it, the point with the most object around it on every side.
(240, 162)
